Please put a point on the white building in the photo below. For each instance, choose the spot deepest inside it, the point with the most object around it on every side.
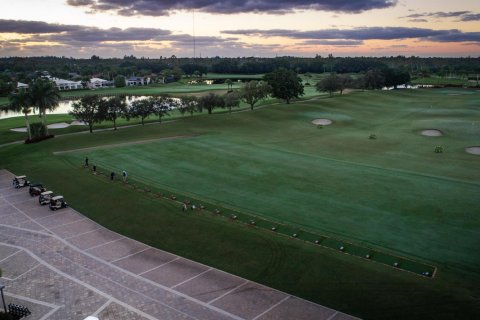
(96, 83)
(22, 86)
(137, 81)
(63, 84)
(67, 84)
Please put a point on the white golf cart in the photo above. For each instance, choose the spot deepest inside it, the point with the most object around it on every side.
(45, 197)
(57, 202)
(20, 182)
(36, 188)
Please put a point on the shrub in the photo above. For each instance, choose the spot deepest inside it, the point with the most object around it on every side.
(438, 149)
(373, 136)
(38, 139)
(6, 316)
(38, 130)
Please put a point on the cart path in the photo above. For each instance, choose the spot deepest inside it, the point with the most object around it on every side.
(63, 265)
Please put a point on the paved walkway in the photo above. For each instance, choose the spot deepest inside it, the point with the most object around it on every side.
(63, 265)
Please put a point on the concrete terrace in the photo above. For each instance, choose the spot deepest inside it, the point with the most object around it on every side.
(63, 265)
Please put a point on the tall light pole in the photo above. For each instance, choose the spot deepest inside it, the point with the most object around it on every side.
(3, 298)
(194, 44)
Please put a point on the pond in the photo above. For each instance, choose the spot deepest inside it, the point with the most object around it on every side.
(64, 106)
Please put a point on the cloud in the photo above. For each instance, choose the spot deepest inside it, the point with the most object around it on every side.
(461, 15)
(337, 43)
(471, 17)
(20, 26)
(165, 7)
(42, 31)
(82, 38)
(365, 33)
(418, 20)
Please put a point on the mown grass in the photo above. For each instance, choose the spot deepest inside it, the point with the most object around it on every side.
(174, 89)
(393, 193)
(436, 80)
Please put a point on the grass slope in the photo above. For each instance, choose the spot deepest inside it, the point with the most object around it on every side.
(393, 193)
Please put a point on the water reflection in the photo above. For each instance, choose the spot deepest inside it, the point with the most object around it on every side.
(65, 106)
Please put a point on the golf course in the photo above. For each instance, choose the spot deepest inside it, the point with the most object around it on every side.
(366, 202)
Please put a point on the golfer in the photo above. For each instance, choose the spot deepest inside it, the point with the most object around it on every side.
(112, 175)
(125, 176)
(86, 161)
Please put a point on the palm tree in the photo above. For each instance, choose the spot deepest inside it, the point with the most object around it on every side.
(45, 96)
(229, 83)
(21, 102)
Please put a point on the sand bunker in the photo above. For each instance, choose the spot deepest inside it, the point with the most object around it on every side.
(78, 123)
(432, 133)
(473, 150)
(19, 129)
(322, 122)
(59, 125)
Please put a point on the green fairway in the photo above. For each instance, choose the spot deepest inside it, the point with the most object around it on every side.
(175, 88)
(287, 170)
(392, 193)
(233, 76)
(436, 80)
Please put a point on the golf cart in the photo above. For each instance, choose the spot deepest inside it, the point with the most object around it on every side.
(20, 182)
(57, 202)
(36, 188)
(45, 197)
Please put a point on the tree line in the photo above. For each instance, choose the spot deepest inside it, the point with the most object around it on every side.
(23, 69)
(94, 109)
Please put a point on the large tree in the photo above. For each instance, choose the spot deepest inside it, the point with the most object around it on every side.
(395, 77)
(229, 84)
(119, 81)
(231, 100)
(329, 84)
(140, 109)
(374, 79)
(88, 110)
(210, 102)
(254, 91)
(44, 96)
(286, 84)
(21, 102)
(161, 105)
(188, 104)
(6, 87)
(114, 108)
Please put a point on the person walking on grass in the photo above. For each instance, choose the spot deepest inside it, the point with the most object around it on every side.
(86, 161)
(112, 175)
(125, 176)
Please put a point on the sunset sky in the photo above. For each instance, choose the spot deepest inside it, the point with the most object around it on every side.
(232, 28)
